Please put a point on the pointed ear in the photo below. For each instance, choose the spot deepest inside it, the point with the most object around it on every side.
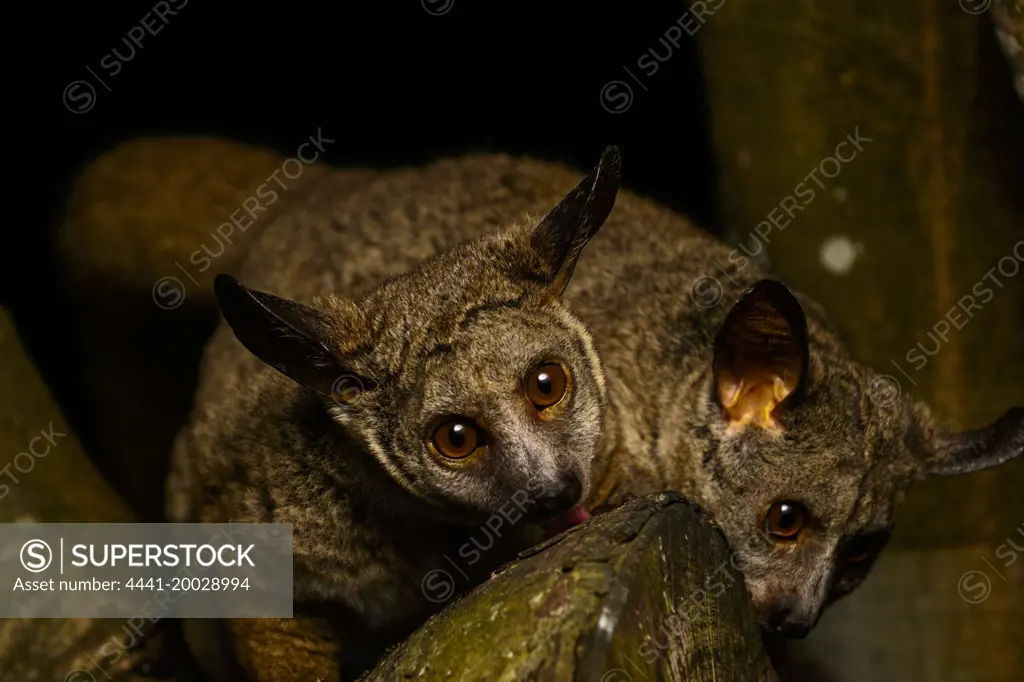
(292, 338)
(966, 451)
(560, 236)
(761, 354)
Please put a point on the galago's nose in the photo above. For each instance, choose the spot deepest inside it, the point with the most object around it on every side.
(782, 619)
(561, 498)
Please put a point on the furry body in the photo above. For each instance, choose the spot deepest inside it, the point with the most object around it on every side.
(257, 447)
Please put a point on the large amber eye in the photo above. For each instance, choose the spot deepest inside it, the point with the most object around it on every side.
(545, 385)
(785, 520)
(457, 438)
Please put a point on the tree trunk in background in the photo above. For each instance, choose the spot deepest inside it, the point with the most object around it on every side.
(59, 487)
(894, 238)
(645, 592)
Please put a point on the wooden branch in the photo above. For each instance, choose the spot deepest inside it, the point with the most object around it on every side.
(645, 592)
(60, 487)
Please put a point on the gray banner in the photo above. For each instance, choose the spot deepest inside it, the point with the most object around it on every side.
(145, 570)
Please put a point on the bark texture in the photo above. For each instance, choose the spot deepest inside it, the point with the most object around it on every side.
(644, 592)
(60, 487)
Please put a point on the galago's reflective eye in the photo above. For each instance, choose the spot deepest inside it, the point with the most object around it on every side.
(545, 385)
(785, 520)
(457, 438)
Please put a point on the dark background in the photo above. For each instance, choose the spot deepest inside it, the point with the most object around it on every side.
(394, 84)
(390, 81)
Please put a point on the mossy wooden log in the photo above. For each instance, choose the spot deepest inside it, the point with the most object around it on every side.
(59, 484)
(644, 592)
(51, 480)
(914, 245)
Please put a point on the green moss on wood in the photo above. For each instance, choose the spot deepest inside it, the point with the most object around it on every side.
(614, 599)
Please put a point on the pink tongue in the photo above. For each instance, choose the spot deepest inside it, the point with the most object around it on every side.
(574, 516)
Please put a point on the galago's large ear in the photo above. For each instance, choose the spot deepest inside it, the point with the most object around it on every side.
(294, 339)
(761, 354)
(559, 238)
(961, 452)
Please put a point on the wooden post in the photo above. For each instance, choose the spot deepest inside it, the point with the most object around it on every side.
(914, 243)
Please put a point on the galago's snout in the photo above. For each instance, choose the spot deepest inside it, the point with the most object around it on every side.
(560, 497)
(785, 617)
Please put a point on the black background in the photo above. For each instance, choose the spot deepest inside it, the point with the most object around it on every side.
(393, 82)
(389, 81)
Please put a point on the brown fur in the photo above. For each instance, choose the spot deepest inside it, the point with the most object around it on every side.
(410, 252)
(382, 348)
